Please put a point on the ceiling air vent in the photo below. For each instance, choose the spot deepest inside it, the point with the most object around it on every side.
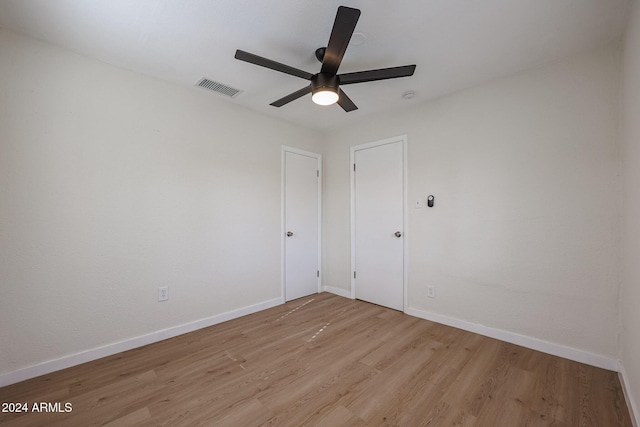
(218, 87)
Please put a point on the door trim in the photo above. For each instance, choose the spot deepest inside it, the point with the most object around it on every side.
(286, 149)
(405, 211)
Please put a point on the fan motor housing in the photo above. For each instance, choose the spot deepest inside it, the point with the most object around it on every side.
(323, 81)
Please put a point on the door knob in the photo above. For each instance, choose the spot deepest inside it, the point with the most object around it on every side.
(289, 234)
(397, 234)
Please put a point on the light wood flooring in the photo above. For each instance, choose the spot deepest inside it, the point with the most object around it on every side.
(324, 360)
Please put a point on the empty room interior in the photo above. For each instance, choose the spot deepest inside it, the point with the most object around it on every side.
(320, 213)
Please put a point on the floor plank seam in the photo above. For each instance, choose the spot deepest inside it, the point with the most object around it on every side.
(320, 330)
(295, 309)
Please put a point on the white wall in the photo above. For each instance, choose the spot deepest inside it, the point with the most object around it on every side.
(630, 295)
(113, 184)
(524, 235)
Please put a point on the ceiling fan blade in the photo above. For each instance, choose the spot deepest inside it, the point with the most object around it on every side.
(291, 97)
(345, 102)
(268, 63)
(380, 74)
(343, 27)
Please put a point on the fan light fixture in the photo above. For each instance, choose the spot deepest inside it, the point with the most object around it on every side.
(324, 97)
(324, 89)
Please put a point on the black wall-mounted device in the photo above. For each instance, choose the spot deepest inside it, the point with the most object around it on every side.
(430, 201)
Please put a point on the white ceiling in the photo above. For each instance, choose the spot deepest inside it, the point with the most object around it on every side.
(456, 44)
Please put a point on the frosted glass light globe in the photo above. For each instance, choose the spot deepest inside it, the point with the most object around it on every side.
(325, 97)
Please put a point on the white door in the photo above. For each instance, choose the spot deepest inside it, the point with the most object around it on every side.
(301, 223)
(378, 222)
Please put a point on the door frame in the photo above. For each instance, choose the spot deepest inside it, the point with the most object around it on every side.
(283, 240)
(405, 210)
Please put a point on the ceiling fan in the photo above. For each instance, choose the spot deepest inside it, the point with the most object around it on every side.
(325, 85)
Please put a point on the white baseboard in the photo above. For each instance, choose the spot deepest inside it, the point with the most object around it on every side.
(628, 395)
(570, 353)
(118, 347)
(338, 291)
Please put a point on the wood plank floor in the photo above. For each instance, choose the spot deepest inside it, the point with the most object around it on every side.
(326, 361)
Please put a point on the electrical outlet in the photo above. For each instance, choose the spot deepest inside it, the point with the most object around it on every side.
(431, 291)
(163, 293)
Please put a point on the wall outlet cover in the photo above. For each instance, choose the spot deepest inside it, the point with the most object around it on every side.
(163, 293)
